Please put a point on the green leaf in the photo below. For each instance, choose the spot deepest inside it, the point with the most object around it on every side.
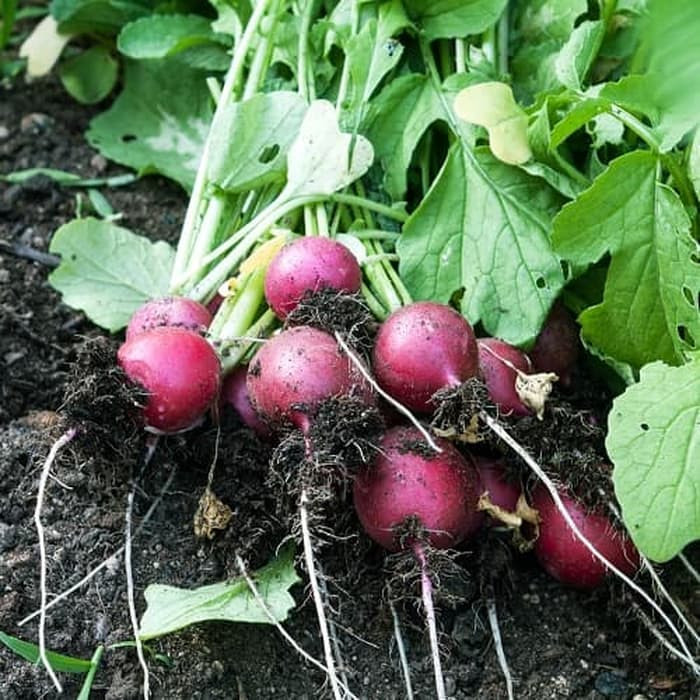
(158, 123)
(549, 19)
(90, 76)
(251, 140)
(30, 652)
(159, 36)
(107, 271)
(448, 19)
(694, 163)
(98, 16)
(397, 119)
(483, 227)
(648, 310)
(170, 609)
(400, 115)
(654, 442)
(577, 55)
(322, 159)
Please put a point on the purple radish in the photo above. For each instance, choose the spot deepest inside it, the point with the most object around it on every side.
(234, 392)
(492, 474)
(177, 312)
(408, 481)
(298, 369)
(498, 363)
(557, 346)
(409, 487)
(309, 264)
(422, 348)
(564, 557)
(180, 371)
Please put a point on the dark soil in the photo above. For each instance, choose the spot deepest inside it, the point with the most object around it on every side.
(560, 643)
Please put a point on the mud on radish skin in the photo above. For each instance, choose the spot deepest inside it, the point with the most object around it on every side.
(309, 264)
(422, 348)
(180, 371)
(298, 369)
(564, 557)
(177, 312)
(410, 482)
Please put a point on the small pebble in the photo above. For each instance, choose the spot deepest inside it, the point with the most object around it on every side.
(8, 537)
(4, 132)
(4, 275)
(450, 685)
(35, 121)
(611, 684)
(98, 163)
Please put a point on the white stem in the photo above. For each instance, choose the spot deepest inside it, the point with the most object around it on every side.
(109, 561)
(686, 656)
(430, 621)
(130, 593)
(318, 602)
(398, 406)
(498, 644)
(43, 478)
(691, 569)
(400, 646)
(274, 621)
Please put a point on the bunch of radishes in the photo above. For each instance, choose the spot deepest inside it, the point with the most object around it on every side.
(415, 491)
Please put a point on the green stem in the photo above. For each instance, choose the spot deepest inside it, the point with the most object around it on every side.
(460, 56)
(238, 312)
(196, 203)
(375, 306)
(502, 42)
(90, 675)
(304, 75)
(355, 201)
(233, 352)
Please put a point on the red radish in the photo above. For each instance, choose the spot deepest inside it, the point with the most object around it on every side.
(556, 348)
(563, 556)
(495, 360)
(180, 371)
(169, 311)
(492, 474)
(234, 392)
(421, 348)
(410, 480)
(410, 485)
(309, 264)
(298, 369)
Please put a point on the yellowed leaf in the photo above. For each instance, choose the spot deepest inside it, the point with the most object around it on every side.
(43, 47)
(493, 106)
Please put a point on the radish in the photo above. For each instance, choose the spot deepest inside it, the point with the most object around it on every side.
(562, 555)
(492, 475)
(169, 311)
(499, 363)
(308, 265)
(422, 348)
(234, 392)
(180, 371)
(556, 348)
(412, 496)
(408, 481)
(295, 371)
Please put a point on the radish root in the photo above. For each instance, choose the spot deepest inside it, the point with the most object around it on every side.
(684, 654)
(43, 478)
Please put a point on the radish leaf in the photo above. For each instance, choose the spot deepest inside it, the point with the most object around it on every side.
(265, 127)
(654, 442)
(443, 19)
(645, 314)
(108, 271)
(158, 123)
(502, 260)
(170, 609)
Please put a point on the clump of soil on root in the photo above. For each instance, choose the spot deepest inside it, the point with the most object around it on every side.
(102, 403)
(336, 312)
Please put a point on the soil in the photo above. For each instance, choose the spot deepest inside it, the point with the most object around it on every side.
(559, 643)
